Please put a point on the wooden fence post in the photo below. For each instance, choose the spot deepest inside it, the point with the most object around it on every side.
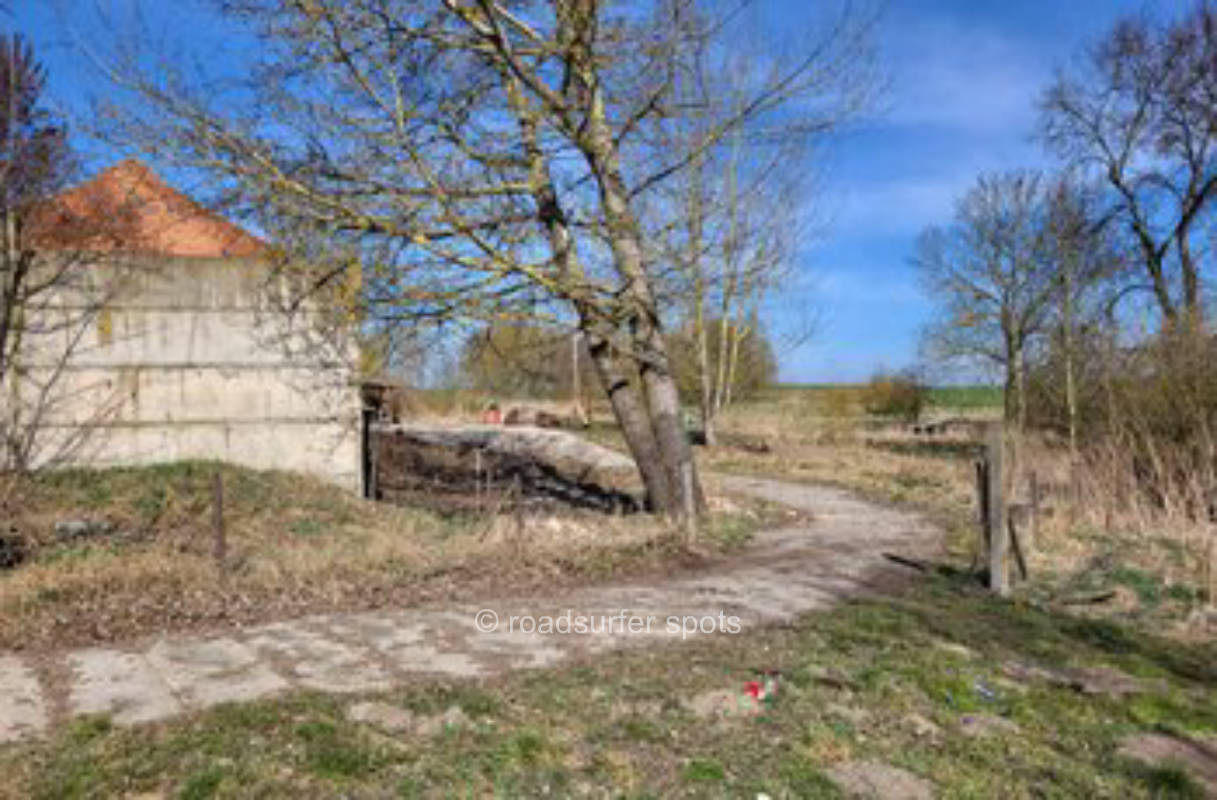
(1033, 528)
(219, 544)
(999, 579)
(982, 502)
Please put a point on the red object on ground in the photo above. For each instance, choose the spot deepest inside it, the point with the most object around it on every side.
(492, 416)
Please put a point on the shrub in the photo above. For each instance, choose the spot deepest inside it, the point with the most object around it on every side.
(899, 394)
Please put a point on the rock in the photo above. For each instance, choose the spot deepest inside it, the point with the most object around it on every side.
(1197, 757)
(1088, 680)
(922, 727)
(68, 530)
(451, 719)
(874, 780)
(382, 715)
(982, 725)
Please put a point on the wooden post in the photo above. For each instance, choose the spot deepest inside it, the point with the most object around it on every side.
(219, 544)
(575, 390)
(982, 502)
(1018, 550)
(477, 478)
(1075, 491)
(689, 508)
(365, 451)
(1033, 529)
(999, 580)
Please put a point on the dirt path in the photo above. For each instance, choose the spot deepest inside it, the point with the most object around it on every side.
(783, 573)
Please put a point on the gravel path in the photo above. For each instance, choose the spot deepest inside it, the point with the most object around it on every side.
(783, 573)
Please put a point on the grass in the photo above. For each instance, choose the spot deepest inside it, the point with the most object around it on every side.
(966, 397)
(861, 682)
(294, 546)
(978, 397)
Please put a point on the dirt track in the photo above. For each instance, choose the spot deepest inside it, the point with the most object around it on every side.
(783, 573)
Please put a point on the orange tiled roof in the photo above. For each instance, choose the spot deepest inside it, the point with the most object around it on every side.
(129, 209)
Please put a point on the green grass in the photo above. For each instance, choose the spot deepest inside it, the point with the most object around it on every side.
(966, 397)
(619, 724)
(977, 397)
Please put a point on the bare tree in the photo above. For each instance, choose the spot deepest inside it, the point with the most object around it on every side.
(993, 278)
(47, 301)
(1090, 266)
(735, 218)
(474, 155)
(1139, 112)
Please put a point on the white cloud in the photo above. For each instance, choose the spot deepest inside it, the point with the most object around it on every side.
(968, 79)
(897, 207)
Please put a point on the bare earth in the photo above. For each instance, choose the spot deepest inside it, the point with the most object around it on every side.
(782, 574)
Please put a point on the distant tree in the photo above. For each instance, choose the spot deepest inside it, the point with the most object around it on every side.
(900, 394)
(1090, 262)
(747, 364)
(993, 279)
(1139, 114)
(523, 360)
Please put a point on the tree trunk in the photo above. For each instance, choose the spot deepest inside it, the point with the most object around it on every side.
(631, 414)
(658, 384)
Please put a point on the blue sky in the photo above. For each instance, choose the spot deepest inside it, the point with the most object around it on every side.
(964, 78)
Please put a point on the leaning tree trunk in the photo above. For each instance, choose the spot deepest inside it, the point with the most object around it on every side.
(624, 399)
(655, 371)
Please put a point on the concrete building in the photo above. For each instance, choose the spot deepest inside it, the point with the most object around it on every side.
(179, 351)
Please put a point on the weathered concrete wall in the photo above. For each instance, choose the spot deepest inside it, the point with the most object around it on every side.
(188, 360)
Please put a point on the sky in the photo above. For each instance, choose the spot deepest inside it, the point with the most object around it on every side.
(963, 79)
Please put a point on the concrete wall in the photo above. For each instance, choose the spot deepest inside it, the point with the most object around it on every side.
(187, 360)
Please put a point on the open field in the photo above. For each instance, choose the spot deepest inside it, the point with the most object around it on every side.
(938, 682)
(294, 546)
(939, 398)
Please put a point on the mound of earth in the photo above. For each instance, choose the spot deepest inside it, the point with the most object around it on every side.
(492, 466)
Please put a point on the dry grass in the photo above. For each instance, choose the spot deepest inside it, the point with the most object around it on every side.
(294, 546)
(817, 436)
(1098, 533)
(1102, 523)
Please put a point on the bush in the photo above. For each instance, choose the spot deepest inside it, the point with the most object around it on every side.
(899, 394)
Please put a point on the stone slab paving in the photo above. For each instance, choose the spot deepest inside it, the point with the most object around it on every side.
(23, 709)
(783, 573)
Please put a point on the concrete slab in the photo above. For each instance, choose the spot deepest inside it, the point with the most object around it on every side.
(123, 685)
(416, 641)
(209, 672)
(23, 708)
(316, 661)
